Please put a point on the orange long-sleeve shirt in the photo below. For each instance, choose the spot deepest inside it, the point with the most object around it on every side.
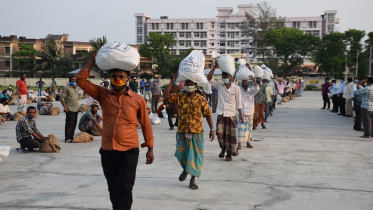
(120, 114)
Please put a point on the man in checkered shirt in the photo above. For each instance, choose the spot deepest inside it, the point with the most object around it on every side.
(27, 134)
(366, 106)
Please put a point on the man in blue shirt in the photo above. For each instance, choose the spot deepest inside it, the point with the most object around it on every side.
(40, 83)
(142, 86)
(148, 90)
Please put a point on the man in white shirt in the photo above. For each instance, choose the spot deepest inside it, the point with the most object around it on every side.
(10, 92)
(347, 94)
(334, 91)
(341, 100)
(208, 91)
(4, 109)
(32, 96)
(248, 108)
(229, 100)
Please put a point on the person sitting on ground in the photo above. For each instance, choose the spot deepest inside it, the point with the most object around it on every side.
(58, 94)
(41, 103)
(44, 108)
(9, 91)
(47, 92)
(4, 95)
(32, 96)
(90, 121)
(4, 109)
(27, 134)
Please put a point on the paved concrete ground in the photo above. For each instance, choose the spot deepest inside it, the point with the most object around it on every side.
(306, 159)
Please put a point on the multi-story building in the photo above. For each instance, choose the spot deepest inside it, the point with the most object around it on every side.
(223, 33)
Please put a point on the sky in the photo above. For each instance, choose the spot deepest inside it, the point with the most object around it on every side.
(87, 19)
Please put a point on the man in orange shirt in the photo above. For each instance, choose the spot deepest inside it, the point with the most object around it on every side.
(121, 109)
(22, 92)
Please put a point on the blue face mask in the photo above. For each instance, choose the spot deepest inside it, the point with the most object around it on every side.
(29, 118)
(174, 83)
(357, 81)
(155, 80)
(225, 80)
(73, 83)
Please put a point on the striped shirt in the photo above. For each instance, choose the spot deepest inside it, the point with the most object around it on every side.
(367, 94)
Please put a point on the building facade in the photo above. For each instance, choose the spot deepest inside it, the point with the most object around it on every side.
(223, 33)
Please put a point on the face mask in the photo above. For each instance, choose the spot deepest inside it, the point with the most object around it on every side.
(73, 83)
(29, 118)
(189, 88)
(155, 80)
(118, 82)
(326, 81)
(93, 112)
(23, 77)
(225, 80)
(357, 81)
(245, 86)
(174, 83)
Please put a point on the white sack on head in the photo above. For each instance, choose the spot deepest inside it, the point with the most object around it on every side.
(263, 66)
(243, 73)
(258, 72)
(269, 71)
(192, 68)
(226, 64)
(266, 75)
(115, 55)
(215, 55)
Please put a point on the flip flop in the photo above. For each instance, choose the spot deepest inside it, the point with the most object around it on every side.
(221, 155)
(228, 158)
(193, 186)
(183, 176)
(365, 137)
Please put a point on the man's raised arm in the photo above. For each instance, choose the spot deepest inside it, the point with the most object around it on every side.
(87, 86)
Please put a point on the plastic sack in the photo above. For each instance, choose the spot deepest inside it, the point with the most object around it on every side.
(164, 114)
(215, 55)
(115, 55)
(4, 151)
(269, 72)
(258, 72)
(278, 98)
(226, 64)
(266, 75)
(192, 68)
(243, 73)
(155, 120)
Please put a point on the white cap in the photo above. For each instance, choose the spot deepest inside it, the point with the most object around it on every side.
(10, 87)
(31, 91)
(135, 78)
(263, 66)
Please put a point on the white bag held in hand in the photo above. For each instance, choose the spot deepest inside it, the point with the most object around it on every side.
(258, 72)
(164, 114)
(243, 73)
(115, 55)
(4, 151)
(278, 98)
(226, 64)
(155, 120)
(192, 68)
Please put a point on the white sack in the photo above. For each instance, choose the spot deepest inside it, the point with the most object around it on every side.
(155, 120)
(258, 72)
(4, 151)
(164, 114)
(226, 64)
(192, 68)
(115, 55)
(278, 99)
(215, 55)
(243, 73)
(266, 75)
(269, 71)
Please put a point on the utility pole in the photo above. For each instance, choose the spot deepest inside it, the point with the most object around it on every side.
(370, 60)
(357, 61)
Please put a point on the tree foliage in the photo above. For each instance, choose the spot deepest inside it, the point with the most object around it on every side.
(55, 61)
(263, 19)
(354, 42)
(158, 48)
(25, 58)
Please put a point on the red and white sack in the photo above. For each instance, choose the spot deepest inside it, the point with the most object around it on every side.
(192, 68)
(115, 55)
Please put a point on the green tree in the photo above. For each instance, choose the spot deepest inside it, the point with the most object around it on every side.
(263, 19)
(354, 40)
(25, 59)
(290, 45)
(55, 61)
(158, 49)
(369, 46)
(96, 44)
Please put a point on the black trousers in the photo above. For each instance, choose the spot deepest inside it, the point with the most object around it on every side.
(367, 121)
(208, 98)
(30, 143)
(70, 124)
(326, 101)
(357, 125)
(142, 90)
(335, 103)
(170, 120)
(120, 172)
(274, 99)
(342, 104)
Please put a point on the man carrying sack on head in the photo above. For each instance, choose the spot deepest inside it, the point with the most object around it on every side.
(121, 110)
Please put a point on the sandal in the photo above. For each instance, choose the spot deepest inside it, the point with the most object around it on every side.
(228, 158)
(365, 137)
(263, 126)
(193, 186)
(221, 155)
(183, 176)
(239, 146)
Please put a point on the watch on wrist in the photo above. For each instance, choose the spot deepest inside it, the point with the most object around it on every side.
(212, 129)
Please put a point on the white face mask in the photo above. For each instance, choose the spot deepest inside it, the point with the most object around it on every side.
(189, 88)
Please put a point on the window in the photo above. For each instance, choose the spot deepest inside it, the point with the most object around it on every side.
(222, 51)
(182, 34)
(312, 24)
(188, 34)
(316, 33)
(196, 43)
(242, 35)
(170, 26)
(139, 30)
(233, 26)
(222, 34)
(203, 35)
(80, 52)
(139, 39)
(153, 26)
(296, 24)
(199, 25)
(188, 43)
(203, 44)
(212, 35)
(212, 44)
(7, 49)
(196, 34)
(222, 44)
(182, 43)
(331, 18)
(184, 26)
(330, 28)
(222, 25)
(173, 34)
(7, 63)
(77, 66)
(139, 21)
(213, 25)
